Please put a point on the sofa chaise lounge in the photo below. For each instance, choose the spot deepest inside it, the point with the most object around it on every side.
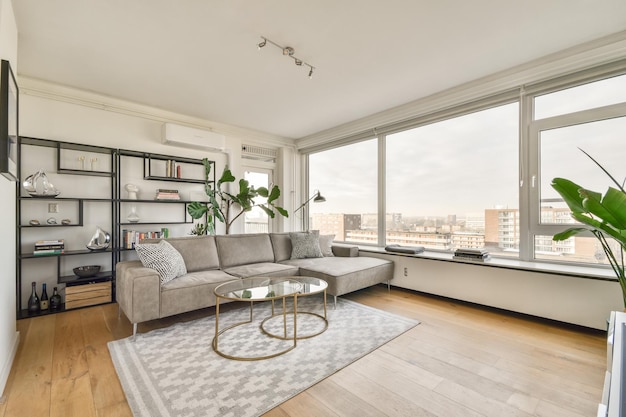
(213, 260)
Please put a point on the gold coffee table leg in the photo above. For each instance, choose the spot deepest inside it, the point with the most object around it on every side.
(218, 332)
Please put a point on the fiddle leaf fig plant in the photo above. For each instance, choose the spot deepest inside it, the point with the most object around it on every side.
(227, 207)
(605, 216)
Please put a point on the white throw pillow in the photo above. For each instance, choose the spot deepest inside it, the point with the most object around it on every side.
(163, 258)
(305, 245)
(326, 243)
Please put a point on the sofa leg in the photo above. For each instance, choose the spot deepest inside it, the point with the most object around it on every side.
(335, 308)
(389, 285)
(134, 331)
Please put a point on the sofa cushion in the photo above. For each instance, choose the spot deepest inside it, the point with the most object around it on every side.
(163, 258)
(305, 245)
(281, 242)
(234, 250)
(191, 291)
(199, 252)
(345, 274)
(326, 245)
(263, 269)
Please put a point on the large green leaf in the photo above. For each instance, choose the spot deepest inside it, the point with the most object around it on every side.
(226, 177)
(570, 192)
(595, 205)
(569, 233)
(262, 191)
(282, 211)
(197, 210)
(267, 211)
(615, 202)
(598, 225)
(274, 194)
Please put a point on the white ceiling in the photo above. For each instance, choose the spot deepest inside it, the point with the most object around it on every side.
(199, 57)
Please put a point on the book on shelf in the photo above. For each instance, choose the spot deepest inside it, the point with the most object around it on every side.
(132, 237)
(471, 251)
(467, 254)
(164, 190)
(172, 169)
(471, 258)
(49, 242)
(49, 245)
(46, 252)
(167, 196)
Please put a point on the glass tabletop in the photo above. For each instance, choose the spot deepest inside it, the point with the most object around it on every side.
(267, 288)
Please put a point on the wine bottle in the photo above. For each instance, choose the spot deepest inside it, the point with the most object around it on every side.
(43, 302)
(55, 300)
(33, 300)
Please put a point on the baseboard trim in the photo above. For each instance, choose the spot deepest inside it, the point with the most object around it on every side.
(6, 368)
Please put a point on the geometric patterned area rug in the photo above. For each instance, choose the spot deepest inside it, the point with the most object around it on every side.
(174, 371)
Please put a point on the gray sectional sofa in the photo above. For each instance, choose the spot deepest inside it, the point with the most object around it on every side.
(213, 260)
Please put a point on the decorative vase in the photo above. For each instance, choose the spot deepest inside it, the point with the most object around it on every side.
(100, 240)
(133, 217)
(132, 190)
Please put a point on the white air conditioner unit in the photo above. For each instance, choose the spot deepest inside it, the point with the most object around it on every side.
(189, 137)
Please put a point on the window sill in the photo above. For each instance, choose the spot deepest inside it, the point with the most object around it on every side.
(605, 274)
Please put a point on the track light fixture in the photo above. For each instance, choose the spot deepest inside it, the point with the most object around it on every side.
(287, 51)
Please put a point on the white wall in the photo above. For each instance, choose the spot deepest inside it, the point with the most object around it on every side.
(582, 301)
(9, 338)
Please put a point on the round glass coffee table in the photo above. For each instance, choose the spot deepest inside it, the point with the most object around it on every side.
(258, 289)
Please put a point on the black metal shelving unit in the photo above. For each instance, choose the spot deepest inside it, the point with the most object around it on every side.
(24, 199)
(91, 168)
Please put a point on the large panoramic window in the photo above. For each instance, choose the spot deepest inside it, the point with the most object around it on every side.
(472, 177)
(454, 183)
(347, 178)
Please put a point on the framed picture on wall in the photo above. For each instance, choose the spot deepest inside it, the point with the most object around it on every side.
(8, 121)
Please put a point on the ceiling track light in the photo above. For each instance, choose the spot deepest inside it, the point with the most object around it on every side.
(287, 51)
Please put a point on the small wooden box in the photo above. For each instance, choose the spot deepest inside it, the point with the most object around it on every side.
(87, 295)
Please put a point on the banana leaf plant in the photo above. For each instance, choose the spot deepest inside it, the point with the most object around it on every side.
(604, 216)
(227, 207)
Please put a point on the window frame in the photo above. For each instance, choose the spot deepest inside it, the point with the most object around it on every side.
(532, 189)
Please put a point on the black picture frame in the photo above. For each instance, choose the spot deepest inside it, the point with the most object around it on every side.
(9, 116)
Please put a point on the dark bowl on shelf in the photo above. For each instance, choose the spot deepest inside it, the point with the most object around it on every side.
(87, 271)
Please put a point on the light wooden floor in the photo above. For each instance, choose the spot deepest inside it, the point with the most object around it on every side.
(460, 361)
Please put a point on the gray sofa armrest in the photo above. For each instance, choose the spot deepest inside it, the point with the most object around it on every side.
(346, 251)
(138, 291)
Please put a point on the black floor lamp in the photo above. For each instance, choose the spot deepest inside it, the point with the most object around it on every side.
(316, 197)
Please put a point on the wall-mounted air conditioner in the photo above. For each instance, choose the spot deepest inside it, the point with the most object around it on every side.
(189, 137)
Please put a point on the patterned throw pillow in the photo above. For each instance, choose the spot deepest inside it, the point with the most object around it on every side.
(326, 243)
(305, 245)
(163, 258)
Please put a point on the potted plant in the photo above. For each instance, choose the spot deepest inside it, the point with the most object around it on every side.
(227, 207)
(604, 216)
